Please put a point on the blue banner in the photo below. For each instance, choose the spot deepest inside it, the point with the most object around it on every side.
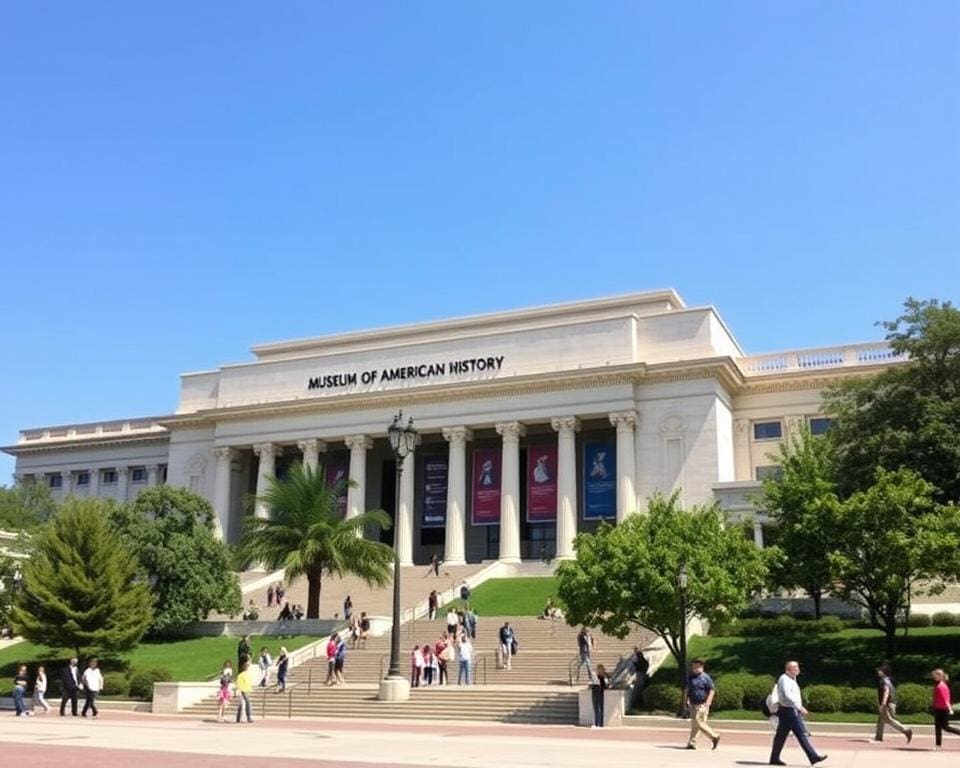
(599, 479)
(434, 491)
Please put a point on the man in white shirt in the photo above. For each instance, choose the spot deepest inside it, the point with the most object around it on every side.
(789, 715)
(465, 654)
(92, 685)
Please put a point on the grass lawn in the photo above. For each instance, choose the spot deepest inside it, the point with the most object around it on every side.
(195, 658)
(826, 717)
(512, 597)
(846, 658)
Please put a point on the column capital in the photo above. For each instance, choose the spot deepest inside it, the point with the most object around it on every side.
(123, 471)
(457, 435)
(510, 431)
(66, 473)
(740, 425)
(151, 468)
(267, 449)
(624, 419)
(225, 453)
(565, 424)
(312, 444)
(358, 442)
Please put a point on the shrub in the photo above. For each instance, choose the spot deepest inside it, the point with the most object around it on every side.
(946, 619)
(919, 620)
(824, 698)
(858, 700)
(755, 688)
(142, 680)
(662, 697)
(729, 695)
(115, 684)
(778, 626)
(913, 699)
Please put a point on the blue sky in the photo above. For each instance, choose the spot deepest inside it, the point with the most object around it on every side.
(181, 180)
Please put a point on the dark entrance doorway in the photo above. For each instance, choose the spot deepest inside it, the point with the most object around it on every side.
(388, 497)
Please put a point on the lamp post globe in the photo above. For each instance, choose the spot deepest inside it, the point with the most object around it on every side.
(403, 440)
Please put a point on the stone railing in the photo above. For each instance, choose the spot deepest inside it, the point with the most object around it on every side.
(107, 429)
(874, 353)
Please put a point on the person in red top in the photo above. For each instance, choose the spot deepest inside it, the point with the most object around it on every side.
(332, 659)
(440, 651)
(942, 708)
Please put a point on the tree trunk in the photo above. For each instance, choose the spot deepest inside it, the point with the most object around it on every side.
(314, 582)
(817, 596)
(890, 631)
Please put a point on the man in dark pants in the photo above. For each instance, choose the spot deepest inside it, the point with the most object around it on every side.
(70, 687)
(789, 720)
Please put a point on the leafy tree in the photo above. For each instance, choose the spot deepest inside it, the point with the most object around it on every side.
(802, 500)
(627, 576)
(170, 531)
(306, 535)
(893, 539)
(80, 587)
(908, 415)
(25, 506)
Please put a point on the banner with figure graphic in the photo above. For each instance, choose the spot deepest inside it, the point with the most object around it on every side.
(599, 479)
(541, 483)
(486, 486)
(434, 491)
(336, 469)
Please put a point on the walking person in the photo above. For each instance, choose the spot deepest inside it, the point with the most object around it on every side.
(444, 654)
(223, 694)
(465, 656)
(453, 621)
(942, 708)
(92, 685)
(887, 705)
(432, 603)
(331, 660)
(244, 692)
(279, 592)
(435, 565)
(264, 663)
(347, 609)
(416, 666)
(598, 688)
(506, 646)
(364, 628)
(428, 663)
(340, 658)
(283, 665)
(70, 687)
(789, 717)
(699, 696)
(585, 649)
(270, 596)
(40, 690)
(243, 651)
(20, 683)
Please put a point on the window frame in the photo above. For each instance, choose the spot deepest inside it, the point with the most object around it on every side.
(779, 436)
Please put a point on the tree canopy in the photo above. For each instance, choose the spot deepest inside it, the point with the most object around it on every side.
(306, 535)
(80, 589)
(25, 506)
(627, 576)
(170, 531)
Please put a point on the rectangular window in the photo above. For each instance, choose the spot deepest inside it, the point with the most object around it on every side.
(109, 476)
(55, 481)
(820, 424)
(83, 478)
(771, 470)
(767, 430)
(138, 475)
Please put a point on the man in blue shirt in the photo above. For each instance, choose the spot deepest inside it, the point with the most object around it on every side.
(699, 695)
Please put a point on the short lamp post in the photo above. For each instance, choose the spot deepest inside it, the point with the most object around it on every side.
(682, 592)
(403, 440)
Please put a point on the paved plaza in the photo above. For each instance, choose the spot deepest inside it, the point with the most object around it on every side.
(176, 742)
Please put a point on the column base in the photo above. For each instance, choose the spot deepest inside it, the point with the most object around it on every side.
(406, 563)
(453, 562)
(394, 689)
(509, 560)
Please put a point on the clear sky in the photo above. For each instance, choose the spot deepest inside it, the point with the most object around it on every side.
(179, 180)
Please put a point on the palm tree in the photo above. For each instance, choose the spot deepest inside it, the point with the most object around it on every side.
(306, 535)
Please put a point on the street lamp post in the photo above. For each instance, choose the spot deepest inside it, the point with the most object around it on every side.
(403, 440)
(682, 591)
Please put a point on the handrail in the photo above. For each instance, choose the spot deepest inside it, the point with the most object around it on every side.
(265, 696)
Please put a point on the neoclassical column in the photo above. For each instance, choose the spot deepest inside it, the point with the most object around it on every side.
(224, 456)
(758, 534)
(94, 488)
(356, 494)
(153, 475)
(454, 552)
(268, 468)
(20, 478)
(312, 449)
(566, 428)
(625, 422)
(741, 450)
(65, 482)
(123, 482)
(404, 521)
(511, 432)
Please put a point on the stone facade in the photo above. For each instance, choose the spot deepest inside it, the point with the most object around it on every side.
(667, 384)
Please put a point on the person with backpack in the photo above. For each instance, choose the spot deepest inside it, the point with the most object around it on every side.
(887, 705)
(506, 645)
(789, 709)
(224, 693)
(283, 665)
(699, 695)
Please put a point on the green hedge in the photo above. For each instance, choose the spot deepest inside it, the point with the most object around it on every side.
(858, 699)
(115, 684)
(142, 680)
(913, 698)
(919, 620)
(946, 619)
(824, 698)
(662, 697)
(729, 695)
(779, 626)
(755, 688)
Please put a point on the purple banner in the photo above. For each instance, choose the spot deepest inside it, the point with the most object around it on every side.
(599, 480)
(434, 491)
(541, 483)
(486, 486)
(336, 469)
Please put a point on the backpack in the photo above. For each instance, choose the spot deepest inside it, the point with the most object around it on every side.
(771, 704)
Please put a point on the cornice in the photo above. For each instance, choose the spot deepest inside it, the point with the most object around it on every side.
(795, 381)
(78, 443)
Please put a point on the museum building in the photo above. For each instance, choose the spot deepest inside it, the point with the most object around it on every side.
(534, 424)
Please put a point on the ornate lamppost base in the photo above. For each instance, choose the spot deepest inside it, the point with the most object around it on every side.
(394, 689)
